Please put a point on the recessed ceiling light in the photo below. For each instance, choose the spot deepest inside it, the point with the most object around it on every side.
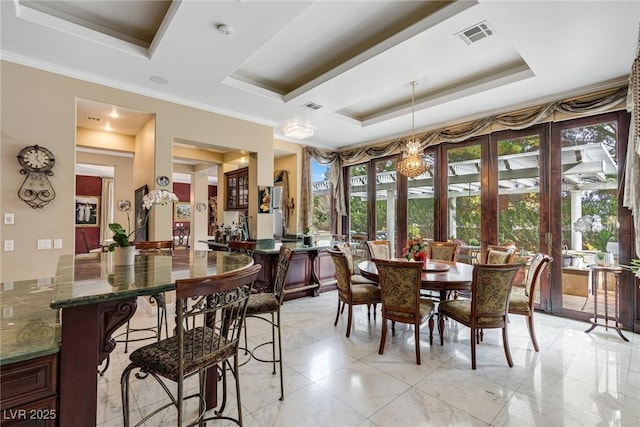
(223, 29)
(159, 80)
(108, 127)
(114, 114)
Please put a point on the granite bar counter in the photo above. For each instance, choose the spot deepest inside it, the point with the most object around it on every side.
(29, 347)
(311, 270)
(29, 327)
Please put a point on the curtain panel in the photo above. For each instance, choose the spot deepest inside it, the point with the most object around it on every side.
(632, 167)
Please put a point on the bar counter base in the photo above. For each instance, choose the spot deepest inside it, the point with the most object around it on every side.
(86, 328)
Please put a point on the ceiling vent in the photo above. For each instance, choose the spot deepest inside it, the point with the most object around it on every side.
(312, 106)
(476, 33)
(94, 119)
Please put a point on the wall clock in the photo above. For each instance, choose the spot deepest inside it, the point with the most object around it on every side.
(201, 207)
(36, 162)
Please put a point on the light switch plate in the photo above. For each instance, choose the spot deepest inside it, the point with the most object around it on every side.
(44, 244)
(57, 243)
(9, 218)
(8, 245)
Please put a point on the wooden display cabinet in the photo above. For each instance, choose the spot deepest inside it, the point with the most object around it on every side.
(237, 189)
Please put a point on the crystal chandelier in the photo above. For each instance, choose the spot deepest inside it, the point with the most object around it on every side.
(413, 163)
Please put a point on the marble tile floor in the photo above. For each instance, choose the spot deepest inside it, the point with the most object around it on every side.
(576, 379)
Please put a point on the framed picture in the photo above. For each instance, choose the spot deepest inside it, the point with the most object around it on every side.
(264, 199)
(141, 223)
(87, 211)
(182, 212)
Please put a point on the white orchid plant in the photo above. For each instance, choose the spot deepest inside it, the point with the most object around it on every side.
(602, 232)
(153, 198)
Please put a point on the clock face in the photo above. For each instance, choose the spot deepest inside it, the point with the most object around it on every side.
(35, 158)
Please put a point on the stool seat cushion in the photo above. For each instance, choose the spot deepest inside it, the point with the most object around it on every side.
(162, 357)
(262, 303)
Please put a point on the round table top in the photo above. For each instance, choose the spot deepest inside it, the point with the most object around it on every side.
(457, 278)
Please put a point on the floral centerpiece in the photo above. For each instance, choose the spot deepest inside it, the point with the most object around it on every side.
(153, 198)
(415, 249)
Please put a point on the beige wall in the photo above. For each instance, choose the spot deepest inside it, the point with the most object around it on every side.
(39, 107)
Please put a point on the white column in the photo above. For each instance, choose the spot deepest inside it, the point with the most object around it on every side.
(199, 219)
(576, 213)
(391, 219)
(452, 219)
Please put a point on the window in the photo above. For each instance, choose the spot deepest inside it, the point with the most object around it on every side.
(463, 184)
(321, 186)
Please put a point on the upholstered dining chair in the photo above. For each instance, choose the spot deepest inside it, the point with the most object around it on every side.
(356, 278)
(337, 238)
(359, 246)
(351, 293)
(500, 255)
(265, 306)
(522, 303)
(210, 315)
(399, 283)
(379, 249)
(488, 306)
(443, 251)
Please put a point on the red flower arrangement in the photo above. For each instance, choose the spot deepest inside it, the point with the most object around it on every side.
(415, 249)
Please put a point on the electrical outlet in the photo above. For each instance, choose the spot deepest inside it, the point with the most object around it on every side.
(46, 281)
(57, 244)
(44, 243)
(9, 218)
(8, 245)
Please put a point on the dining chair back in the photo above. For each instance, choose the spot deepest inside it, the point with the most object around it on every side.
(337, 238)
(265, 306)
(488, 306)
(500, 254)
(89, 247)
(349, 293)
(242, 246)
(154, 246)
(358, 246)
(379, 249)
(356, 278)
(522, 303)
(210, 314)
(443, 251)
(399, 283)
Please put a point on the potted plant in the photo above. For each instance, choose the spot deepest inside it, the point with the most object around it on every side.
(124, 250)
(307, 239)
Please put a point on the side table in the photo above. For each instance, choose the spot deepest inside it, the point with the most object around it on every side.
(600, 275)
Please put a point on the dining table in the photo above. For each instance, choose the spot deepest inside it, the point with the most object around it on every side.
(439, 276)
(96, 297)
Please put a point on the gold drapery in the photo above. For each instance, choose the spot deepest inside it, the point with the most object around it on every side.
(588, 104)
